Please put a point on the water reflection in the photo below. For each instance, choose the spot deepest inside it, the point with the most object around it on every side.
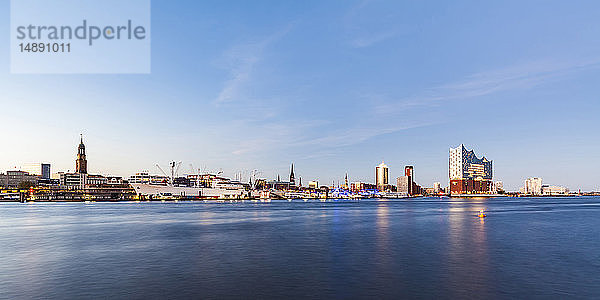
(382, 227)
(421, 248)
(385, 254)
(468, 250)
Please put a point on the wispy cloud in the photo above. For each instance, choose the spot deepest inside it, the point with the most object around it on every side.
(523, 76)
(371, 39)
(241, 61)
(355, 135)
(364, 29)
(273, 135)
(308, 141)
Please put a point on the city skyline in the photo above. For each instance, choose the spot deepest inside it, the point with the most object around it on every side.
(333, 87)
(464, 165)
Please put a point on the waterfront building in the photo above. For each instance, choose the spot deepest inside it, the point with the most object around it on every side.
(499, 187)
(13, 179)
(464, 164)
(468, 173)
(73, 180)
(382, 176)
(361, 186)
(533, 186)
(313, 185)
(437, 187)
(114, 180)
(283, 185)
(279, 185)
(81, 161)
(417, 189)
(403, 185)
(96, 180)
(40, 169)
(409, 171)
(406, 184)
(81, 179)
(554, 190)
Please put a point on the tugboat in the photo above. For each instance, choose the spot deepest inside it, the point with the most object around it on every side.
(482, 214)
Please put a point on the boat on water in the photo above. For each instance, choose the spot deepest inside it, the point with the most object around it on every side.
(393, 195)
(197, 186)
(481, 214)
(10, 197)
(170, 191)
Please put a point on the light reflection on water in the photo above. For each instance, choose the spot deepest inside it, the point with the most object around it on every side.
(544, 248)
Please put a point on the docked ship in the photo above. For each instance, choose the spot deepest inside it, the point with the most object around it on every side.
(196, 186)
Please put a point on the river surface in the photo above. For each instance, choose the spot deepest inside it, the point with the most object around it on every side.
(420, 248)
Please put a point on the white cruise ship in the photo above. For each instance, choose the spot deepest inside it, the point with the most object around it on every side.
(203, 186)
(167, 191)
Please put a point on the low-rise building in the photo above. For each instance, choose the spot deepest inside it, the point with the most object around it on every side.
(499, 187)
(96, 180)
(554, 190)
(14, 179)
(114, 180)
(404, 184)
(362, 186)
(73, 180)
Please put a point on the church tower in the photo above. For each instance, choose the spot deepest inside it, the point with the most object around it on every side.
(81, 162)
(292, 176)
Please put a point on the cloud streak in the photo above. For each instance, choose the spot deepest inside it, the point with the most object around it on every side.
(365, 30)
(516, 77)
(356, 135)
(367, 41)
(241, 61)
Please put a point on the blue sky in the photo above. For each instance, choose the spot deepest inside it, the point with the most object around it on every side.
(333, 86)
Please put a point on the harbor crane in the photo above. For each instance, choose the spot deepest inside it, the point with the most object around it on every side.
(174, 171)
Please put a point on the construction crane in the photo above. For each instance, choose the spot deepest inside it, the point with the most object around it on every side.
(174, 171)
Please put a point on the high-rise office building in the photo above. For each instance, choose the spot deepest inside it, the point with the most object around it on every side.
(42, 170)
(409, 171)
(45, 171)
(381, 176)
(468, 173)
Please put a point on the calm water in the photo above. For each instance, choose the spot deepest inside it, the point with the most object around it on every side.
(427, 248)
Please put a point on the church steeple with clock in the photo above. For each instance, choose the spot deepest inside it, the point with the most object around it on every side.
(81, 162)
